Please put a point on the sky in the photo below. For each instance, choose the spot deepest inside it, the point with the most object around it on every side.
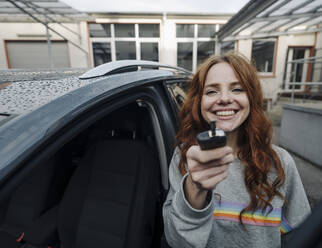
(178, 6)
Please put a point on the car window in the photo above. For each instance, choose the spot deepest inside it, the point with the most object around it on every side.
(178, 91)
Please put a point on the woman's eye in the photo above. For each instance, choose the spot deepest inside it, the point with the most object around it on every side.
(211, 92)
(237, 90)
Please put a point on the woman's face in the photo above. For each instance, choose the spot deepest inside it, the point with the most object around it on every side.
(224, 100)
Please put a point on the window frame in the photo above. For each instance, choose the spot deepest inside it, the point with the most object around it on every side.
(271, 74)
(137, 39)
(194, 40)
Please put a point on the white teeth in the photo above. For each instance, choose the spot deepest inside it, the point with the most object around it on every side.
(225, 113)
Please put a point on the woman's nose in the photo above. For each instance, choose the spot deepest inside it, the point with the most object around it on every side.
(224, 98)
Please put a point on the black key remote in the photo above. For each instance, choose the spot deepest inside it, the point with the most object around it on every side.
(213, 138)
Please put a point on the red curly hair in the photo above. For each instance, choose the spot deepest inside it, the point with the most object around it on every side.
(254, 135)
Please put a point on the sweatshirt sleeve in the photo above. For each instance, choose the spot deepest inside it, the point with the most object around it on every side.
(184, 226)
(296, 207)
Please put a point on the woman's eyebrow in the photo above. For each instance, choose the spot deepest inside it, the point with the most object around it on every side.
(235, 83)
(215, 85)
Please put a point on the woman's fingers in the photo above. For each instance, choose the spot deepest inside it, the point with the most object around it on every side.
(208, 168)
(204, 156)
(197, 166)
(211, 183)
(205, 174)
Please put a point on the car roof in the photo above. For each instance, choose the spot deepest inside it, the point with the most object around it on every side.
(32, 89)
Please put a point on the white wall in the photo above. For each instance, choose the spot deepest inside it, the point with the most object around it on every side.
(245, 47)
(168, 50)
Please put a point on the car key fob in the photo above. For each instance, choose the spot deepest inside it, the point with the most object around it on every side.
(213, 138)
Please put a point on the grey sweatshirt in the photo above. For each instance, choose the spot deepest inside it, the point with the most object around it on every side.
(217, 225)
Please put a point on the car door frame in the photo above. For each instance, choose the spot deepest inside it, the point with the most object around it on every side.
(153, 92)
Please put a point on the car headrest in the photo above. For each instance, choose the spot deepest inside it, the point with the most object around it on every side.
(123, 123)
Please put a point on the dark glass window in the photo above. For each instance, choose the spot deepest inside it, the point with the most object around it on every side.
(99, 30)
(101, 52)
(185, 30)
(125, 50)
(205, 49)
(124, 30)
(184, 56)
(298, 53)
(206, 30)
(150, 51)
(149, 30)
(227, 46)
(263, 54)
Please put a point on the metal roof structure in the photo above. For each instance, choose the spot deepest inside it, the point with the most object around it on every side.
(269, 18)
(51, 11)
(44, 12)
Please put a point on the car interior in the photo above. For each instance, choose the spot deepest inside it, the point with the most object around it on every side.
(100, 189)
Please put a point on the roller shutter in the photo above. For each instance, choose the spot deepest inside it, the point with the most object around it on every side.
(34, 54)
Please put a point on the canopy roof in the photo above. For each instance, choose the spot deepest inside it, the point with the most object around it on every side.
(44, 10)
(268, 18)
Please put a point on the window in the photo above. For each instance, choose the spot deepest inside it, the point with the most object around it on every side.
(125, 50)
(195, 43)
(296, 72)
(185, 55)
(99, 30)
(227, 46)
(119, 41)
(205, 49)
(206, 30)
(102, 53)
(263, 54)
(149, 30)
(185, 30)
(150, 51)
(124, 30)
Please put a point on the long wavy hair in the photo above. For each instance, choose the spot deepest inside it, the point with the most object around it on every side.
(253, 138)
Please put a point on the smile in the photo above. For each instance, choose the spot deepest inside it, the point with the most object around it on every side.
(226, 112)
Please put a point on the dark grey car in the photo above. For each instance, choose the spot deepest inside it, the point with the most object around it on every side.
(84, 160)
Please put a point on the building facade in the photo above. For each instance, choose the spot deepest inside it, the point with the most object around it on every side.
(178, 40)
(183, 40)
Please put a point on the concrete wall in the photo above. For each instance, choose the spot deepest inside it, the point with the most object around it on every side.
(301, 131)
(37, 31)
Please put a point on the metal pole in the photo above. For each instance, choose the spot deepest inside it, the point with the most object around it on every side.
(34, 7)
(51, 29)
(50, 55)
(217, 46)
(294, 80)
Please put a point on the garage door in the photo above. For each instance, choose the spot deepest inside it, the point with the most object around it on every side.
(34, 54)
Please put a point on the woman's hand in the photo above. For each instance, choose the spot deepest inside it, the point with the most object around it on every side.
(206, 169)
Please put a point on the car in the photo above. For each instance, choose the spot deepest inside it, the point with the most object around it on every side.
(84, 160)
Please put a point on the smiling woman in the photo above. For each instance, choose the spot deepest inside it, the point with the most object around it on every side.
(245, 194)
(224, 99)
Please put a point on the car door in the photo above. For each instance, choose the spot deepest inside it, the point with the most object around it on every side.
(71, 132)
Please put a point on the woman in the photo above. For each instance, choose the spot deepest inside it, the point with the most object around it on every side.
(246, 194)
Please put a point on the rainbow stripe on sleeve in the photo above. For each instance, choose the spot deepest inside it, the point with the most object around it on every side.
(285, 226)
(230, 211)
